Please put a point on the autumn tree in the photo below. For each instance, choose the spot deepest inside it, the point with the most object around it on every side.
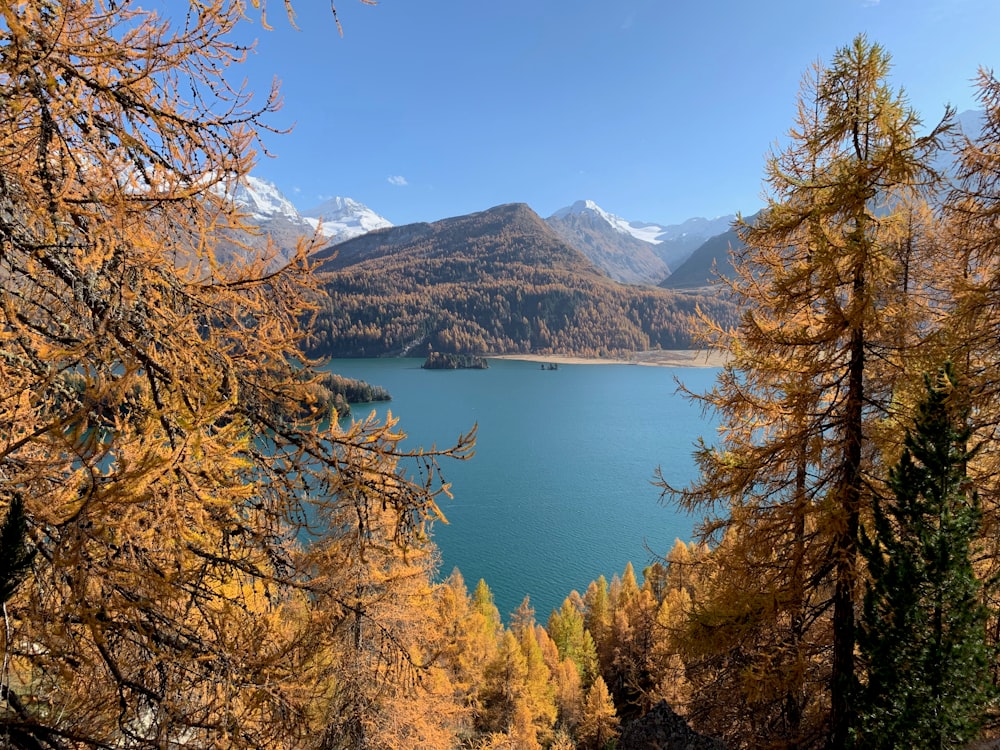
(468, 641)
(504, 693)
(179, 493)
(629, 675)
(378, 656)
(922, 635)
(830, 280)
(597, 619)
(539, 690)
(16, 553)
(574, 641)
(599, 726)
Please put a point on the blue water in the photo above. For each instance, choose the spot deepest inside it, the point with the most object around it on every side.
(560, 489)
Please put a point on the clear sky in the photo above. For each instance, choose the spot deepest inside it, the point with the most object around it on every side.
(658, 110)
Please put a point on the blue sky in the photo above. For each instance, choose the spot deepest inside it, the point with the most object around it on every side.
(658, 110)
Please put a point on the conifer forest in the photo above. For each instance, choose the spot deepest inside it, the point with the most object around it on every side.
(194, 555)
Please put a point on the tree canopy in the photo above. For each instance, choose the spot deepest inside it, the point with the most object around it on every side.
(184, 505)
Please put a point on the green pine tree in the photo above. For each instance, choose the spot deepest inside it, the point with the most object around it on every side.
(922, 636)
(16, 554)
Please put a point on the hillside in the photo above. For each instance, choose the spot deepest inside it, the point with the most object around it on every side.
(498, 281)
(633, 252)
(708, 261)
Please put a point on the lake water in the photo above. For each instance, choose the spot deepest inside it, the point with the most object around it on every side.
(560, 489)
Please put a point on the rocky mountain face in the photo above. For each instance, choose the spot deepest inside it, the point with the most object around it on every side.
(709, 261)
(677, 242)
(632, 252)
(606, 241)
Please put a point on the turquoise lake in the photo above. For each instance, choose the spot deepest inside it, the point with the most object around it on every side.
(560, 490)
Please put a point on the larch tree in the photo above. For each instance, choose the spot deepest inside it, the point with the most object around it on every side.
(374, 649)
(156, 418)
(468, 643)
(830, 280)
(597, 619)
(598, 727)
(566, 628)
(922, 637)
(503, 692)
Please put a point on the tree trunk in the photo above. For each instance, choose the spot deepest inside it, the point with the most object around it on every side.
(842, 682)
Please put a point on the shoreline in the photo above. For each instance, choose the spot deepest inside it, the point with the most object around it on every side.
(651, 358)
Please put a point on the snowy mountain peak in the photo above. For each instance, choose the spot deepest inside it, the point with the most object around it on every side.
(345, 218)
(579, 208)
(335, 208)
(342, 218)
(262, 199)
(589, 210)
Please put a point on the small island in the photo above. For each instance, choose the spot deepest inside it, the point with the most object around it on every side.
(443, 361)
(339, 393)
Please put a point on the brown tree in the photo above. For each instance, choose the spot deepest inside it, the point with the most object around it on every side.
(146, 399)
(599, 726)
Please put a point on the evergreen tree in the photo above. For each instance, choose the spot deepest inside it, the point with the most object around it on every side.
(972, 274)
(922, 636)
(15, 552)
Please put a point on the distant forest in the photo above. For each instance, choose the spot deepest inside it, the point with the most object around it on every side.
(371, 315)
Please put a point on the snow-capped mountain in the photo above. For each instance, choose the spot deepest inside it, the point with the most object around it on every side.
(648, 232)
(634, 252)
(262, 200)
(344, 218)
(282, 226)
(607, 241)
(590, 211)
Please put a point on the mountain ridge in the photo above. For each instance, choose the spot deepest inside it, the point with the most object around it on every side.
(633, 252)
(499, 281)
(338, 218)
(630, 252)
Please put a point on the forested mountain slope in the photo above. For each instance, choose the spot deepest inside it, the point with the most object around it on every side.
(496, 281)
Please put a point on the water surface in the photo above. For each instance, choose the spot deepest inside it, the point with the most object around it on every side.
(560, 490)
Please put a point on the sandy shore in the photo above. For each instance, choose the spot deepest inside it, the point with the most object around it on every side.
(654, 358)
